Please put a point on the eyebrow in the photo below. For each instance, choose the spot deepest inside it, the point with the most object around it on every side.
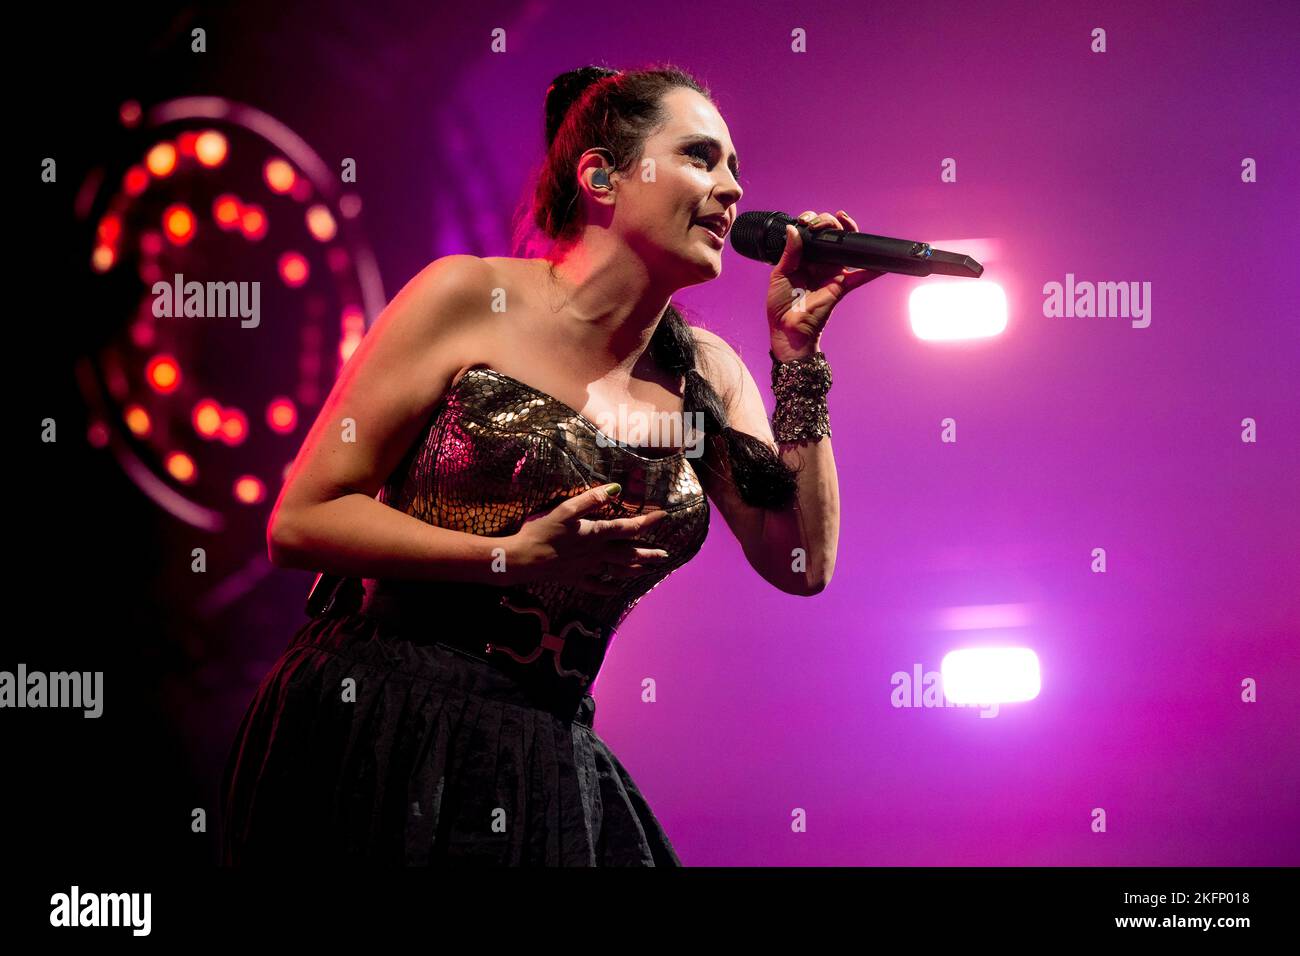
(734, 162)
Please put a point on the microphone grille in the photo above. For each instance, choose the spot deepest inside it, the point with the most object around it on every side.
(760, 235)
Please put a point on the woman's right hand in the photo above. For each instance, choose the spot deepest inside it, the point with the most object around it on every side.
(565, 546)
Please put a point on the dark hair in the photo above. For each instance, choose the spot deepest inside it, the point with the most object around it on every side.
(599, 107)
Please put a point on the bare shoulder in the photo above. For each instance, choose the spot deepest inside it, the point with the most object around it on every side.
(454, 280)
(421, 337)
(449, 298)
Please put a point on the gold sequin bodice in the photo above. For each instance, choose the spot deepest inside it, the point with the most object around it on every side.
(497, 451)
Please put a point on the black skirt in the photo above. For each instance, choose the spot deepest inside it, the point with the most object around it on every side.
(361, 745)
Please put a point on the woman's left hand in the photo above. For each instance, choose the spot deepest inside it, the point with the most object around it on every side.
(800, 297)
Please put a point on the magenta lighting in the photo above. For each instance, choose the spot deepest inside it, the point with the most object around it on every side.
(990, 675)
(975, 617)
(947, 310)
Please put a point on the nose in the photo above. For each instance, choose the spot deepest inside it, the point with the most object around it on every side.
(729, 190)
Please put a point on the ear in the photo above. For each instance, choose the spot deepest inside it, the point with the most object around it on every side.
(592, 162)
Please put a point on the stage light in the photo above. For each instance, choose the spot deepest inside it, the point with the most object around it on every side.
(142, 333)
(137, 419)
(97, 435)
(249, 490)
(990, 675)
(282, 415)
(129, 113)
(210, 148)
(163, 374)
(206, 164)
(234, 426)
(353, 329)
(347, 345)
(110, 227)
(973, 617)
(293, 269)
(321, 224)
(958, 309)
(136, 181)
(206, 418)
(253, 222)
(161, 160)
(353, 320)
(279, 175)
(178, 224)
(227, 211)
(181, 467)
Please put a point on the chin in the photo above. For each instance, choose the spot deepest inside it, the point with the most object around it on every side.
(702, 272)
(710, 264)
(692, 270)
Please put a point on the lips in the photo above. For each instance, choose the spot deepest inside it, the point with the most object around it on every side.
(715, 224)
(711, 237)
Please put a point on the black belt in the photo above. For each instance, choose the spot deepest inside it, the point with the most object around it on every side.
(555, 662)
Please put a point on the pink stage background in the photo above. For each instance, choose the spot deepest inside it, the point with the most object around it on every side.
(1073, 433)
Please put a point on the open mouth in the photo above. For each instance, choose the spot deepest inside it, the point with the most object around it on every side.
(714, 228)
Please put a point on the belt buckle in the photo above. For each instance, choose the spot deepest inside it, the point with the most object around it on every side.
(550, 641)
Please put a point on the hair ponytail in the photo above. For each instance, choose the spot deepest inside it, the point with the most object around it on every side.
(761, 477)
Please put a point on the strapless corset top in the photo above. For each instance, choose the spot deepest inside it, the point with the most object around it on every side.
(497, 451)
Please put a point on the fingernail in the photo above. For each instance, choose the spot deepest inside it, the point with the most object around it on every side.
(613, 488)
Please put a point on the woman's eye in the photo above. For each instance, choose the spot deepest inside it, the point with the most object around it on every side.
(699, 153)
(702, 154)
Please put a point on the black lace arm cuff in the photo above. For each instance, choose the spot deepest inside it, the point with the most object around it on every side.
(800, 387)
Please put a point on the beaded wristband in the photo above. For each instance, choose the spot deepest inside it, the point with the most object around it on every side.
(800, 387)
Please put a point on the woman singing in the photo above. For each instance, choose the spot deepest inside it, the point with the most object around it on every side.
(481, 538)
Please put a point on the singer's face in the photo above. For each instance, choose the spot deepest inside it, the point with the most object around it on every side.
(695, 167)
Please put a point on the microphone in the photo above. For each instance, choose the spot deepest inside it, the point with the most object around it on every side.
(761, 236)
